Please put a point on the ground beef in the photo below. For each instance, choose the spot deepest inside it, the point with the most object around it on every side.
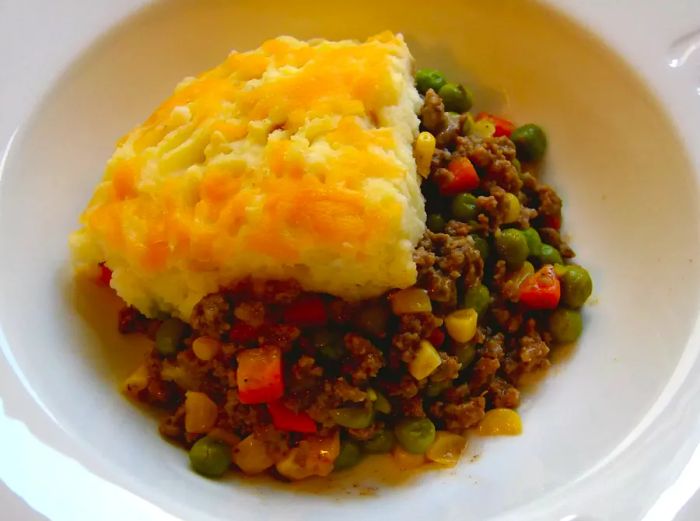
(530, 355)
(412, 328)
(552, 237)
(212, 316)
(432, 113)
(441, 260)
(364, 359)
(412, 407)
(502, 394)
(493, 156)
(407, 387)
(550, 202)
(458, 417)
(448, 369)
(483, 371)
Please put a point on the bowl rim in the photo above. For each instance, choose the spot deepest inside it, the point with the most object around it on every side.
(676, 87)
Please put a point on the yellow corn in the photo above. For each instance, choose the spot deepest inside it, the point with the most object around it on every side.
(205, 348)
(200, 413)
(136, 382)
(312, 457)
(423, 152)
(468, 124)
(500, 422)
(447, 448)
(251, 456)
(484, 128)
(411, 300)
(426, 361)
(461, 324)
(512, 208)
(406, 460)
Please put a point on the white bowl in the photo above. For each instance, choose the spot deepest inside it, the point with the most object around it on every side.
(611, 428)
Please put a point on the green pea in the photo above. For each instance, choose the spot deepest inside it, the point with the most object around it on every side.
(415, 435)
(381, 443)
(534, 243)
(478, 298)
(511, 246)
(436, 222)
(329, 344)
(530, 142)
(429, 79)
(517, 165)
(482, 245)
(349, 455)
(455, 97)
(353, 417)
(373, 319)
(565, 325)
(434, 389)
(465, 353)
(210, 457)
(549, 255)
(381, 404)
(464, 207)
(169, 336)
(576, 286)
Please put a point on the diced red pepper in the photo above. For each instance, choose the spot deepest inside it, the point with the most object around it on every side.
(464, 177)
(307, 311)
(541, 290)
(242, 332)
(105, 276)
(552, 221)
(286, 420)
(503, 126)
(437, 337)
(259, 375)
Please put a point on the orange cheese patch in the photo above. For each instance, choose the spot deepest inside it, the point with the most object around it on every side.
(291, 160)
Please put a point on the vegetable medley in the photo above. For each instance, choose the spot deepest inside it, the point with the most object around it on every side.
(268, 378)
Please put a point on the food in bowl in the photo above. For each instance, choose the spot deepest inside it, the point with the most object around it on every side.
(333, 257)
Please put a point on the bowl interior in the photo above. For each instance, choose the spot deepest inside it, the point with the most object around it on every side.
(630, 208)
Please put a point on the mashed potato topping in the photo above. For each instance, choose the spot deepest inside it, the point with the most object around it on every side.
(290, 161)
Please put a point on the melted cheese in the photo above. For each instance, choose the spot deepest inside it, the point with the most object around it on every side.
(292, 160)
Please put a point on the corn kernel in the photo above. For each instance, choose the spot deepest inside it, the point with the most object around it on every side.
(411, 300)
(500, 422)
(312, 457)
(136, 382)
(205, 348)
(405, 460)
(447, 448)
(484, 128)
(200, 413)
(461, 324)
(426, 361)
(512, 208)
(423, 152)
(251, 456)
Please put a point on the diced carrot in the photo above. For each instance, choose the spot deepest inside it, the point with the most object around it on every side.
(259, 375)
